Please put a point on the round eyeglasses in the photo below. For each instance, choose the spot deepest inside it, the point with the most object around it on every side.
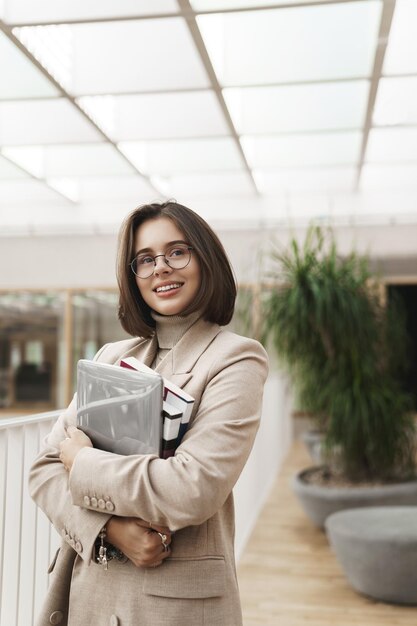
(177, 257)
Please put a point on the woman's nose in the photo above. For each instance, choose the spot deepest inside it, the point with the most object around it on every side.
(161, 266)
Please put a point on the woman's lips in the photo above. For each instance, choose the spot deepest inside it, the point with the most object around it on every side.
(168, 292)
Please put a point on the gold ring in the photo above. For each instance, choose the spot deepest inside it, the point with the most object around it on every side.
(164, 539)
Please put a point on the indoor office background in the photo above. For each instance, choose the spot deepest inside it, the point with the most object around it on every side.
(264, 117)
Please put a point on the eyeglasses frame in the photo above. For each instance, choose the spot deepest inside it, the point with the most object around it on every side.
(190, 248)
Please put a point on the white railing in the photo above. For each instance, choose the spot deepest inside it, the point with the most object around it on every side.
(271, 446)
(27, 539)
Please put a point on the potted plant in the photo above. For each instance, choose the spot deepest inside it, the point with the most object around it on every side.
(343, 350)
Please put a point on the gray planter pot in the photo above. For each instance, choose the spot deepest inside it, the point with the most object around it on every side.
(319, 502)
(376, 548)
(313, 441)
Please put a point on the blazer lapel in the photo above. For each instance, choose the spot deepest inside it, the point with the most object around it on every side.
(165, 368)
(145, 351)
(178, 364)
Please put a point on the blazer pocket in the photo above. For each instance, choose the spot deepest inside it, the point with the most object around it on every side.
(202, 577)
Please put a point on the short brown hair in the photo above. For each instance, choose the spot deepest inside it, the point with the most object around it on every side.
(217, 293)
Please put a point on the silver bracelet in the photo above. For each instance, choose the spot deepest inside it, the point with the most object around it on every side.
(102, 549)
(105, 551)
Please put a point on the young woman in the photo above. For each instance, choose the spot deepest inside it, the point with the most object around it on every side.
(168, 525)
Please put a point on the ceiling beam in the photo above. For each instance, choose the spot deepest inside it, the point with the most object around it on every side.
(202, 51)
(383, 37)
(39, 179)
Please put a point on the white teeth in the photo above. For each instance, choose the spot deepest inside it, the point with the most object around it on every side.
(167, 287)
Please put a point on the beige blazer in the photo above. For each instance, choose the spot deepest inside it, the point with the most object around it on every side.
(190, 493)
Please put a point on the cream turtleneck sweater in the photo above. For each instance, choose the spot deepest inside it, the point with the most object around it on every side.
(169, 330)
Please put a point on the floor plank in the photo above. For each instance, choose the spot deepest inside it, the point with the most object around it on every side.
(288, 575)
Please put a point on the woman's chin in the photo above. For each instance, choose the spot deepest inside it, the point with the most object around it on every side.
(168, 308)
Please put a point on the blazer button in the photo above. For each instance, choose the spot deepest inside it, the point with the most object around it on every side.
(87, 501)
(114, 621)
(78, 546)
(109, 505)
(56, 617)
(93, 501)
(101, 504)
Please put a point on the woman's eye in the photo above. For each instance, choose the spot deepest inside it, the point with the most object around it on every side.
(176, 252)
(144, 260)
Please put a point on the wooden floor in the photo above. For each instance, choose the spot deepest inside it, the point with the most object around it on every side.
(288, 576)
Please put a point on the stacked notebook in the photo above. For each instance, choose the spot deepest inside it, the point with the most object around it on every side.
(131, 409)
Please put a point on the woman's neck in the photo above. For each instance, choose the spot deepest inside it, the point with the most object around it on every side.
(170, 328)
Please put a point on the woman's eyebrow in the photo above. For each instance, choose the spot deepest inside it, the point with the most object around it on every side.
(169, 243)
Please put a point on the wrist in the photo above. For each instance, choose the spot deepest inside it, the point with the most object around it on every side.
(111, 532)
(104, 551)
(75, 453)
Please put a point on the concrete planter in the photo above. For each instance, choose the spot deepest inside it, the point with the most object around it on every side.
(313, 441)
(376, 548)
(319, 501)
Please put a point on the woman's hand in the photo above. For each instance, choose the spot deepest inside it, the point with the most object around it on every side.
(75, 441)
(138, 541)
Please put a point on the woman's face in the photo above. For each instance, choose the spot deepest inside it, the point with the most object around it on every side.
(167, 291)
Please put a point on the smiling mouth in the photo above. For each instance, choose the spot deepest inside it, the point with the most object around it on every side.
(170, 287)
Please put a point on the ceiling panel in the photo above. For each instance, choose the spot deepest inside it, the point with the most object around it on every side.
(44, 122)
(19, 78)
(70, 160)
(9, 170)
(30, 158)
(22, 192)
(401, 54)
(303, 150)
(159, 116)
(192, 155)
(396, 101)
(38, 11)
(297, 44)
(143, 56)
(214, 5)
(398, 177)
(391, 145)
(132, 189)
(216, 184)
(298, 108)
(300, 179)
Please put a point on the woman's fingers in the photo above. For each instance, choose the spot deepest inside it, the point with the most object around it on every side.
(71, 445)
(142, 545)
(159, 529)
(77, 435)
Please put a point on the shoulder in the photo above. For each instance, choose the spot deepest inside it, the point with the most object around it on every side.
(230, 341)
(230, 348)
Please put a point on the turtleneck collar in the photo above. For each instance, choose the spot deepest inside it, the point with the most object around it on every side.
(170, 328)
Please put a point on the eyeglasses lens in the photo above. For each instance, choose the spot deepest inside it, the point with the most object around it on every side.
(176, 257)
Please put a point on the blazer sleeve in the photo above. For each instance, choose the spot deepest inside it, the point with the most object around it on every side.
(48, 486)
(190, 487)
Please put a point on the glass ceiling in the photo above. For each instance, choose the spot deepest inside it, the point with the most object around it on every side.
(105, 105)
